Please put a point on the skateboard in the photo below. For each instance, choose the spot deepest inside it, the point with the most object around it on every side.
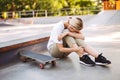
(40, 58)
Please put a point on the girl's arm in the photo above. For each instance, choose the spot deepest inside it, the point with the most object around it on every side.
(60, 37)
(73, 34)
(77, 35)
(68, 50)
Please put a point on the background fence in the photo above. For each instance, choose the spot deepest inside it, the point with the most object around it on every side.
(46, 13)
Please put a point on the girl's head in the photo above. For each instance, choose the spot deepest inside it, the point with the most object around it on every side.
(76, 23)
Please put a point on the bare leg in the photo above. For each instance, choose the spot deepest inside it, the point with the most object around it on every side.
(90, 50)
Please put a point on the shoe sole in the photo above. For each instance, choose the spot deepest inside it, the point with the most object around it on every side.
(101, 64)
(90, 65)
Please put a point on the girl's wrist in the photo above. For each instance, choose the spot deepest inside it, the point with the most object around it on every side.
(73, 49)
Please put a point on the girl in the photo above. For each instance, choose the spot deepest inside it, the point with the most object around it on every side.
(66, 37)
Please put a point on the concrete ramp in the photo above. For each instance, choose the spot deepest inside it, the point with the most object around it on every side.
(104, 18)
(104, 39)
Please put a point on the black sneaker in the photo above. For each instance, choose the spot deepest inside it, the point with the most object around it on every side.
(101, 60)
(85, 59)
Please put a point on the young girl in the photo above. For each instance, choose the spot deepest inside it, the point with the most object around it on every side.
(66, 37)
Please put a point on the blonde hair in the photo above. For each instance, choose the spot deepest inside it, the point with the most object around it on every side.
(77, 23)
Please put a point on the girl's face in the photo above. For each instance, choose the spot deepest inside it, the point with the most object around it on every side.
(72, 29)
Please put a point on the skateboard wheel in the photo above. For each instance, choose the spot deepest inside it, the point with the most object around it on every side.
(41, 66)
(53, 63)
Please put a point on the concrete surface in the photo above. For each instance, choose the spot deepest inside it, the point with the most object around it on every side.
(18, 34)
(104, 38)
(108, 17)
(40, 28)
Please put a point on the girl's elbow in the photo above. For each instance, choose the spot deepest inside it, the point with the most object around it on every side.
(83, 38)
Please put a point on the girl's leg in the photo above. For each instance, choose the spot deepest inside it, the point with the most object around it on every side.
(84, 59)
(99, 59)
(54, 51)
(70, 41)
(88, 49)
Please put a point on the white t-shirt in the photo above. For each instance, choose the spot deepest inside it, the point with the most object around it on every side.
(56, 31)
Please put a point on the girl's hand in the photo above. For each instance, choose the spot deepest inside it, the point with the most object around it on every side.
(76, 49)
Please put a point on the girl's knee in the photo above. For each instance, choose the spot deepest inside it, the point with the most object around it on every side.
(80, 42)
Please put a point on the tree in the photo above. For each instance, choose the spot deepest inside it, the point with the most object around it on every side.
(52, 6)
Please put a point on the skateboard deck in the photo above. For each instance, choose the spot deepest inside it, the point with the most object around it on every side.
(40, 58)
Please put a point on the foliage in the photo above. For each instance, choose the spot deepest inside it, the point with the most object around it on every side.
(52, 6)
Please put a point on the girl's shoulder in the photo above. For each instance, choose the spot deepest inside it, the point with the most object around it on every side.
(59, 24)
